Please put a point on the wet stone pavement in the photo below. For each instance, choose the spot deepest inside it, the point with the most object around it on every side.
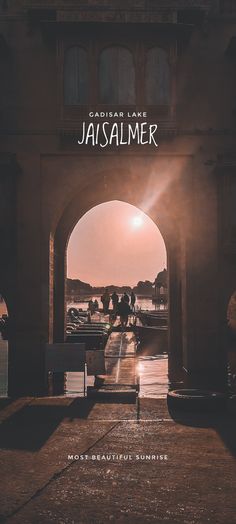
(121, 359)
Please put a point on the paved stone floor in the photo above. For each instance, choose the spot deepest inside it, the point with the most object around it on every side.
(70, 460)
(43, 482)
(121, 359)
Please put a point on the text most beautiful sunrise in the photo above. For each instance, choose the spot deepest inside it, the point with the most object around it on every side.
(118, 133)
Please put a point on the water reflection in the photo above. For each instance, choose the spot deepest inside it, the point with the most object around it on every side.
(153, 376)
(152, 372)
(141, 303)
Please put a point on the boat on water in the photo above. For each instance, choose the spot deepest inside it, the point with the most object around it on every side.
(156, 312)
(153, 318)
(151, 340)
(151, 331)
(81, 328)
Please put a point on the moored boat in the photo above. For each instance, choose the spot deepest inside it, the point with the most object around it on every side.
(152, 340)
(158, 318)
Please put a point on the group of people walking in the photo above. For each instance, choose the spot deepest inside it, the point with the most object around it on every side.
(120, 307)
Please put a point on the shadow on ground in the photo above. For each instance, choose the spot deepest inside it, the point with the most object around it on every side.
(223, 423)
(32, 425)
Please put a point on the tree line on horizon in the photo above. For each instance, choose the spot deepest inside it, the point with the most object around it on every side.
(78, 287)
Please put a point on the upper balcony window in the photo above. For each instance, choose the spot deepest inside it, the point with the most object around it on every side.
(76, 76)
(157, 77)
(116, 76)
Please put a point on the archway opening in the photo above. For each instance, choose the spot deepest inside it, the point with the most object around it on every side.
(4, 333)
(117, 249)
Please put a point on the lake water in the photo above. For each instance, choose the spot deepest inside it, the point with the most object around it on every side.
(141, 303)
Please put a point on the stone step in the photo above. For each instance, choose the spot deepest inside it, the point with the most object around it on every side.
(113, 393)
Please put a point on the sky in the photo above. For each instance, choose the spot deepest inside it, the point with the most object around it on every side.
(115, 243)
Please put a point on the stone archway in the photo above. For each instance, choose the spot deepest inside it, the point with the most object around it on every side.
(169, 227)
(184, 206)
(70, 185)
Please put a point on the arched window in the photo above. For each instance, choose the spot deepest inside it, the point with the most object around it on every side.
(157, 77)
(116, 76)
(76, 76)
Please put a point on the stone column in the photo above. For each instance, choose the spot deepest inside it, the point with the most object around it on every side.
(203, 356)
(29, 332)
(174, 320)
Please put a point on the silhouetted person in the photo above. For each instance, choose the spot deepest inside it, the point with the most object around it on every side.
(96, 304)
(133, 300)
(73, 314)
(126, 298)
(115, 300)
(105, 299)
(123, 311)
(91, 307)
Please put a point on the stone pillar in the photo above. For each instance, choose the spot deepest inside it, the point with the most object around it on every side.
(203, 356)
(175, 326)
(226, 178)
(29, 291)
(59, 289)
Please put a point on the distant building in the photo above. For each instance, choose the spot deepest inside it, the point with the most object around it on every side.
(161, 288)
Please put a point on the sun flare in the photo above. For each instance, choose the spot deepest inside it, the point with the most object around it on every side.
(137, 221)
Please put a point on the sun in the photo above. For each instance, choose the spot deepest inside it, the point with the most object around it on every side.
(137, 221)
